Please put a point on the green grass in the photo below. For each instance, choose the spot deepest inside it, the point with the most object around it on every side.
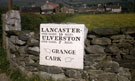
(104, 20)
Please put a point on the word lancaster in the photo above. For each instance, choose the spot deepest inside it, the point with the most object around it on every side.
(61, 30)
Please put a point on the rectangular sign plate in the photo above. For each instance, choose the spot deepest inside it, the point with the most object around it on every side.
(62, 45)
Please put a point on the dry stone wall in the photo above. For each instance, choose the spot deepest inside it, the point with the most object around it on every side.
(105, 47)
(119, 45)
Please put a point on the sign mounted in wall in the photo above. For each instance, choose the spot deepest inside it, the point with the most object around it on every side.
(62, 45)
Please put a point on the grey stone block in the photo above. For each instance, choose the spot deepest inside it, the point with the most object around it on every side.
(106, 31)
(101, 41)
(51, 69)
(95, 49)
(73, 74)
(46, 75)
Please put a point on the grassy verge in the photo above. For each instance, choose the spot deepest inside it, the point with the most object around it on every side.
(104, 20)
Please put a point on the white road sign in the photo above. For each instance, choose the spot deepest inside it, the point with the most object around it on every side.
(62, 45)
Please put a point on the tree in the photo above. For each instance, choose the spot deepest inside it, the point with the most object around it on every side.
(9, 4)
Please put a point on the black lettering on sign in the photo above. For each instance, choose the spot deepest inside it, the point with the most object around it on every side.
(60, 51)
(53, 58)
(61, 30)
(60, 38)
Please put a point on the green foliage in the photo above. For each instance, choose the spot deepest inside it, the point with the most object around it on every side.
(0, 30)
(15, 75)
(15, 7)
(4, 64)
(36, 78)
(32, 21)
(104, 20)
(57, 18)
(128, 6)
(2, 10)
